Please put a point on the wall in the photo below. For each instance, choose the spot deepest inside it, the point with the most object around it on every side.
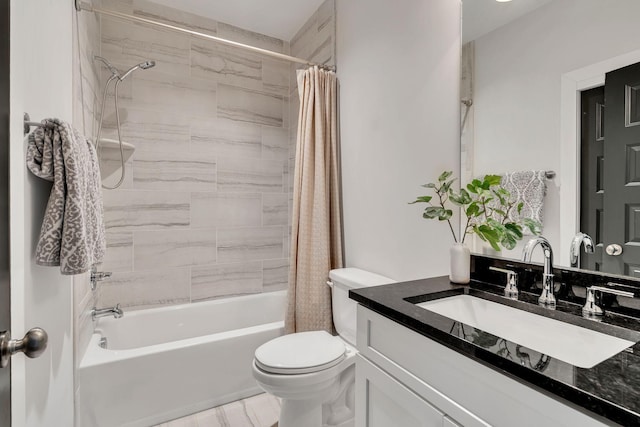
(41, 84)
(399, 71)
(518, 85)
(204, 210)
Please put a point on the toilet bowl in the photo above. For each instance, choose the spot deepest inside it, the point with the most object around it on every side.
(313, 373)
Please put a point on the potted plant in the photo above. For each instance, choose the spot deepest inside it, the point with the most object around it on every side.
(490, 212)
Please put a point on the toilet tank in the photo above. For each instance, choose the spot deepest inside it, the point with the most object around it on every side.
(344, 308)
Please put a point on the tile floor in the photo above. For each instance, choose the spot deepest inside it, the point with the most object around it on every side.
(261, 410)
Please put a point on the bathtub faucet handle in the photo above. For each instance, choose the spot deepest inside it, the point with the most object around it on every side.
(98, 276)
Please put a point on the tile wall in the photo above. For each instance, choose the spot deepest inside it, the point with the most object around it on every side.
(205, 209)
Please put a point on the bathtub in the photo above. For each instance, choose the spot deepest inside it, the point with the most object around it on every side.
(168, 362)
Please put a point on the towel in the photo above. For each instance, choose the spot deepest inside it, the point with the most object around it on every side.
(528, 187)
(72, 235)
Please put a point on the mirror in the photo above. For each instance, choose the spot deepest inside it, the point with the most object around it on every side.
(524, 66)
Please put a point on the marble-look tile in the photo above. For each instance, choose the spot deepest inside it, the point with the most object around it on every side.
(157, 12)
(240, 35)
(126, 43)
(227, 138)
(261, 410)
(122, 6)
(226, 65)
(275, 275)
(128, 210)
(275, 143)
(323, 51)
(173, 248)
(226, 210)
(305, 36)
(246, 105)
(146, 288)
(252, 243)
(155, 90)
(216, 281)
(175, 171)
(249, 175)
(275, 209)
(152, 130)
(111, 169)
(119, 256)
(275, 76)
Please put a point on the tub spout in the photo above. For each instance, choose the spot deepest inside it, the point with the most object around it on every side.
(110, 311)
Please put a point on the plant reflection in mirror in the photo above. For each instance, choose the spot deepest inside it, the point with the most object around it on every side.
(487, 206)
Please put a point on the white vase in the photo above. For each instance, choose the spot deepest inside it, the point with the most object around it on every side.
(460, 264)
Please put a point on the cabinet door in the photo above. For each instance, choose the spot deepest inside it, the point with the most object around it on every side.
(381, 401)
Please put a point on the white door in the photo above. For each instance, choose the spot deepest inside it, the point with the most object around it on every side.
(42, 389)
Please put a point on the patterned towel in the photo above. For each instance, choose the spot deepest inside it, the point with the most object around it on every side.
(72, 234)
(529, 187)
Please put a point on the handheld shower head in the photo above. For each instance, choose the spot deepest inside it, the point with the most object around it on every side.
(147, 64)
(143, 66)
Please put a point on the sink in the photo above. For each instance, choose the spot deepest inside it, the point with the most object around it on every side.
(572, 344)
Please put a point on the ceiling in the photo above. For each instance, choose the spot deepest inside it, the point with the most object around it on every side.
(480, 17)
(276, 18)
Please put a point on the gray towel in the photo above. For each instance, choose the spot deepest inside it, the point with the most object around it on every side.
(528, 187)
(72, 234)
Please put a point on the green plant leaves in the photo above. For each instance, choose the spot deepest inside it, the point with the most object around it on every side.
(444, 175)
(487, 205)
(422, 199)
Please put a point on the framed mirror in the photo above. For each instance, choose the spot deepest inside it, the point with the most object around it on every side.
(526, 66)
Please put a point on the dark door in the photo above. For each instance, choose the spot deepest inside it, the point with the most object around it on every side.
(622, 172)
(591, 174)
(5, 312)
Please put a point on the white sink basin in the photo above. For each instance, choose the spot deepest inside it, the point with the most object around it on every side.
(570, 343)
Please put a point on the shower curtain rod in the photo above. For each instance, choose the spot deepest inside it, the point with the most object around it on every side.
(83, 5)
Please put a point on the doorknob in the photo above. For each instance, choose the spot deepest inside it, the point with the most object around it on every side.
(32, 345)
(613, 249)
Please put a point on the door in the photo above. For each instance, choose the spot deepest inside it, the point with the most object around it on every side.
(40, 82)
(591, 175)
(622, 172)
(5, 296)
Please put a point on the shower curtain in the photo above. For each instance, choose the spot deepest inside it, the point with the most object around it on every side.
(316, 241)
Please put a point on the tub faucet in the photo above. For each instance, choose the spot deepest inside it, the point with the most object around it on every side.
(547, 298)
(580, 239)
(110, 311)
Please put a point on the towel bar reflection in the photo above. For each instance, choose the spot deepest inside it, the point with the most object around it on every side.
(28, 123)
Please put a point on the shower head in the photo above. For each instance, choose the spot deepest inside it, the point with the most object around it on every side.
(114, 70)
(143, 66)
(147, 64)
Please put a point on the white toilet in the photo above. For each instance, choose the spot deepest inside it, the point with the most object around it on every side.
(314, 372)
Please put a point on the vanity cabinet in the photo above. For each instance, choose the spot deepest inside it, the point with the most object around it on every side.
(406, 379)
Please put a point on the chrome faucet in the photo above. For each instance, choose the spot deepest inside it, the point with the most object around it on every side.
(110, 311)
(547, 298)
(580, 239)
(591, 309)
(98, 276)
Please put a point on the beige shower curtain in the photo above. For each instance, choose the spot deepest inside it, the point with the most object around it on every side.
(316, 241)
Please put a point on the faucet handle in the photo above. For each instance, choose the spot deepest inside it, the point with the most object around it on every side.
(511, 288)
(591, 308)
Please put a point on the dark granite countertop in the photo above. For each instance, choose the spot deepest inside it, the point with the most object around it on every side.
(610, 389)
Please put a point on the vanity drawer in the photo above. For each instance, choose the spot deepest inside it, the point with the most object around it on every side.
(469, 392)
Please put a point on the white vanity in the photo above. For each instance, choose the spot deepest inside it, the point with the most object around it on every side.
(409, 378)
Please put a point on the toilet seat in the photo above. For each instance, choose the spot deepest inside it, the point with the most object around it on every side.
(300, 353)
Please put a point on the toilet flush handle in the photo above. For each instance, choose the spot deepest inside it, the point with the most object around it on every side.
(330, 284)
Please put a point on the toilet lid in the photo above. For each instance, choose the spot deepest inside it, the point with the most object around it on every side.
(300, 353)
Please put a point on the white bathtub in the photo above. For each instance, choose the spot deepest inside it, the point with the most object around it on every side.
(168, 362)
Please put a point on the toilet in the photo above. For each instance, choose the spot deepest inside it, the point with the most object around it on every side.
(313, 373)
